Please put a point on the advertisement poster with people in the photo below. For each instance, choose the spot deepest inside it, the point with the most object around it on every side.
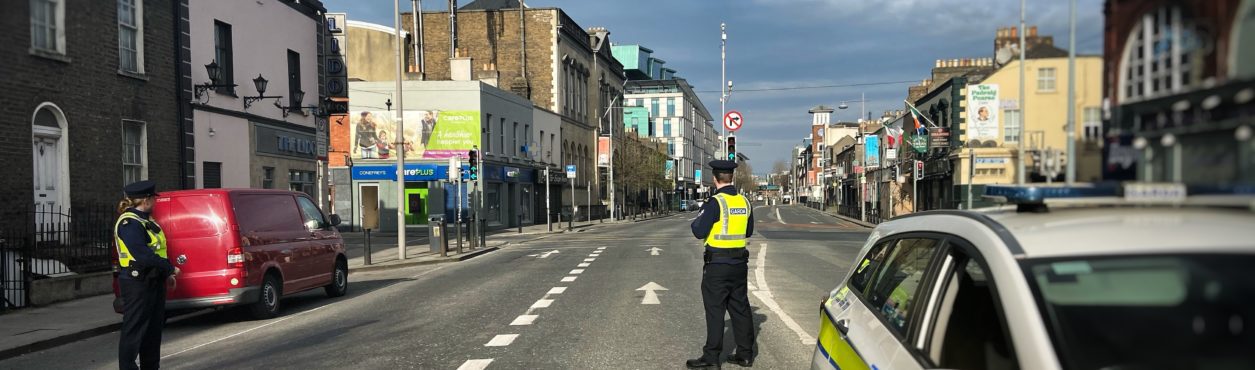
(982, 112)
(428, 134)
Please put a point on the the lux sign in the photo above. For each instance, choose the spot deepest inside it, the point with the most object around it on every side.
(294, 145)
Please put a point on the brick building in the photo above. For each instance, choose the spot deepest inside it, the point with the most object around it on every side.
(1179, 88)
(91, 99)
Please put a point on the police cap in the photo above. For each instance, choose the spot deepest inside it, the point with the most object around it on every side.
(722, 165)
(141, 189)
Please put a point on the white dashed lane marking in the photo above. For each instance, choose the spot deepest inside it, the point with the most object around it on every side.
(568, 279)
(542, 303)
(589, 259)
(524, 320)
(557, 290)
(577, 271)
(479, 364)
(501, 340)
(585, 264)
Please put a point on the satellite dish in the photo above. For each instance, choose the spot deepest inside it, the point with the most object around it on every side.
(1003, 56)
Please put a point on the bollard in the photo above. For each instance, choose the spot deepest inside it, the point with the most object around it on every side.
(459, 225)
(366, 257)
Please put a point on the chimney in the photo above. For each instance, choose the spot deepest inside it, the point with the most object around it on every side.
(1032, 31)
(460, 69)
(1015, 32)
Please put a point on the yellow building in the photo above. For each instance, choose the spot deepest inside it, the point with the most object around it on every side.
(995, 150)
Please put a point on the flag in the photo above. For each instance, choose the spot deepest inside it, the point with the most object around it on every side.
(919, 128)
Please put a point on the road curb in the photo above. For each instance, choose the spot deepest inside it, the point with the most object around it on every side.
(851, 220)
(58, 341)
(392, 266)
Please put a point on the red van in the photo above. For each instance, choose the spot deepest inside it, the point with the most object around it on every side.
(249, 247)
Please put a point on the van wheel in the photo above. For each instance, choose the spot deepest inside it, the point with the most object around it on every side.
(267, 305)
(339, 281)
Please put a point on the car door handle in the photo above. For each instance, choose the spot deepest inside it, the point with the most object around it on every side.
(843, 326)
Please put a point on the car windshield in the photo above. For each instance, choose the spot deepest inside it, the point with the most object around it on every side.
(1149, 312)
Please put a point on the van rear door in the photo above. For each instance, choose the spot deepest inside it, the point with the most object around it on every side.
(198, 236)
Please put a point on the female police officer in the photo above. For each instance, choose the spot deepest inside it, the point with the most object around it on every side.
(142, 279)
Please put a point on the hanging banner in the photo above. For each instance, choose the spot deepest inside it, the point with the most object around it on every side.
(982, 112)
(603, 152)
(872, 146)
(428, 134)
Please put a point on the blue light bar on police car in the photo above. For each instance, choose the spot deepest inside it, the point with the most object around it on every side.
(1038, 193)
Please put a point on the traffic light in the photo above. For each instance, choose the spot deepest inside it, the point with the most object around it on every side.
(474, 168)
(732, 148)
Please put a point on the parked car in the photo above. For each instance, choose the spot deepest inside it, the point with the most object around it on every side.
(1087, 277)
(248, 247)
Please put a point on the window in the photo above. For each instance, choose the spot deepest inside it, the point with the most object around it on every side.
(970, 331)
(133, 151)
(670, 147)
(224, 56)
(131, 36)
(1161, 49)
(514, 140)
(294, 81)
(267, 177)
(501, 142)
(897, 278)
(671, 107)
(1140, 311)
(666, 127)
(47, 25)
(1092, 122)
(653, 107)
(1046, 80)
(1011, 126)
(311, 214)
(488, 127)
(211, 173)
(527, 140)
(302, 181)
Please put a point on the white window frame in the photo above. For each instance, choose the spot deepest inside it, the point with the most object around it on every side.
(1091, 121)
(1011, 133)
(142, 145)
(56, 29)
(1140, 67)
(137, 7)
(1047, 84)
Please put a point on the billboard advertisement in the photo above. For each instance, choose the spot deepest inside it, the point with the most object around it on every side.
(982, 112)
(428, 134)
(603, 152)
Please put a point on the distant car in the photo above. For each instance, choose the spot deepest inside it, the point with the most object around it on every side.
(248, 247)
(1140, 278)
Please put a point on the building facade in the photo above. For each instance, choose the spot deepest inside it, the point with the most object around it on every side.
(254, 120)
(1179, 82)
(92, 90)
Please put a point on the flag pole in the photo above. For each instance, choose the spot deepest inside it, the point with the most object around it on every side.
(930, 122)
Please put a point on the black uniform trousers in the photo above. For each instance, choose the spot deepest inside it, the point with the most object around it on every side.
(143, 317)
(724, 290)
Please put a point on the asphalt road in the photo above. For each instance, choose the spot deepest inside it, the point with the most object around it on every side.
(569, 301)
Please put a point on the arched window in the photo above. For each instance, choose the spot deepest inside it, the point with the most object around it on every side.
(1242, 53)
(1160, 57)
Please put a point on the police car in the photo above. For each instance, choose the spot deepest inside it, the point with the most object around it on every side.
(1134, 276)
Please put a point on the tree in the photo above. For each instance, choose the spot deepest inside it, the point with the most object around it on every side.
(744, 177)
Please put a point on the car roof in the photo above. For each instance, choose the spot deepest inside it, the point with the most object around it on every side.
(222, 191)
(1095, 231)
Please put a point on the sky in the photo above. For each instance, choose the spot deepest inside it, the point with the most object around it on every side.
(774, 44)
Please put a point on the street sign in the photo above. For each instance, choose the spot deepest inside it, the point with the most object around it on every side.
(455, 169)
(697, 174)
(733, 121)
(570, 171)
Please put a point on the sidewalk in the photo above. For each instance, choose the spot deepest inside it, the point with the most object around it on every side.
(833, 212)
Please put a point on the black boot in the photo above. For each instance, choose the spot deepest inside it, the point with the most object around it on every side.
(701, 363)
(740, 360)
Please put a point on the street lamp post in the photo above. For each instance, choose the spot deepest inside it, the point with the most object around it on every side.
(400, 118)
(862, 182)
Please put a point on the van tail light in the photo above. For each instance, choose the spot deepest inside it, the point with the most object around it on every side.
(235, 257)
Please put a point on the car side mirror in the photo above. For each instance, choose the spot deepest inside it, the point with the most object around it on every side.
(334, 219)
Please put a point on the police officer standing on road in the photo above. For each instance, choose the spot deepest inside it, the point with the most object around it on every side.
(726, 221)
(142, 279)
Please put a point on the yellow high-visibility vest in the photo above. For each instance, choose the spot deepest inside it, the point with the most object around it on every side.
(734, 219)
(156, 239)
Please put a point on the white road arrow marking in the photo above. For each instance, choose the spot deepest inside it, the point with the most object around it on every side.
(654, 251)
(651, 295)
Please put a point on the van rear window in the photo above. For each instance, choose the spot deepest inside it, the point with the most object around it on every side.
(193, 216)
(267, 212)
